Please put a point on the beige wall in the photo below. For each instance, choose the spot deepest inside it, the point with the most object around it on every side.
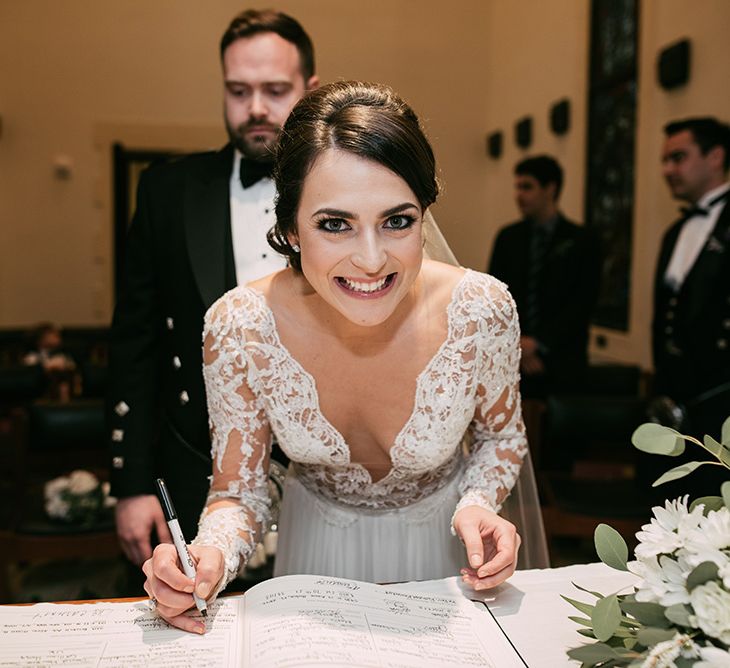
(79, 74)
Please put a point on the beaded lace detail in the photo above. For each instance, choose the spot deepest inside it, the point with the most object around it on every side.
(254, 386)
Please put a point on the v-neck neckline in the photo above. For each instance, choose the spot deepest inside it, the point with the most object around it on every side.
(338, 436)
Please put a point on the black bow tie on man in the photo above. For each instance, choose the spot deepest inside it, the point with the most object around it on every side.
(694, 210)
(252, 171)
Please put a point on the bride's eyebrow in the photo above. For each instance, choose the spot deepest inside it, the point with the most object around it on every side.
(398, 209)
(339, 213)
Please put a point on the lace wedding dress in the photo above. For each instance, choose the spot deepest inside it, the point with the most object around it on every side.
(335, 519)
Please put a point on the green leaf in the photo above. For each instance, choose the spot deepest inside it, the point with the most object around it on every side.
(725, 456)
(649, 614)
(606, 617)
(651, 636)
(587, 591)
(658, 440)
(678, 614)
(725, 432)
(588, 633)
(593, 654)
(725, 491)
(583, 621)
(677, 472)
(710, 503)
(706, 571)
(712, 445)
(630, 643)
(611, 547)
(585, 608)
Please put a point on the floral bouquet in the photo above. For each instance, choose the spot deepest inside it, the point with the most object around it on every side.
(679, 614)
(78, 498)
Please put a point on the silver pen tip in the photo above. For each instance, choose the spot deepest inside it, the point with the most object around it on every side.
(204, 613)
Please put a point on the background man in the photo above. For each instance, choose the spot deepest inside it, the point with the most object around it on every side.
(691, 328)
(552, 268)
(198, 231)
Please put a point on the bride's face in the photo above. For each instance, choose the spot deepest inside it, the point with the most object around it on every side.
(359, 230)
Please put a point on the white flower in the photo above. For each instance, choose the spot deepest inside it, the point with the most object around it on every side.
(711, 605)
(664, 580)
(724, 574)
(713, 657)
(82, 482)
(710, 540)
(666, 532)
(663, 654)
(55, 487)
(56, 507)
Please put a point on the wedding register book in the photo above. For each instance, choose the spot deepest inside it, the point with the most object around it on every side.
(292, 621)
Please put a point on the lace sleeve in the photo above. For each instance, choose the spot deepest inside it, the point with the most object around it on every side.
(238, 501)
(498, 441)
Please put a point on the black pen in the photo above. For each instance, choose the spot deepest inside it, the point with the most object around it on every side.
(186, 560)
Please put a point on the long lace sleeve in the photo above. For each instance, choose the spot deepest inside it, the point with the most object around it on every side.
(238, 501)
(498, 441)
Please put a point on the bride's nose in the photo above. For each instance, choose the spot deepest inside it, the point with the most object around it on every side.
(370, 254)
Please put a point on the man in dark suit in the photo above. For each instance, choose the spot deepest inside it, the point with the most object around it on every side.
(552, 268)
(691, 328)
(199, 230)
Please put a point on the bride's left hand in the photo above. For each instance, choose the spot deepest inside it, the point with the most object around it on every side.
(491, 546)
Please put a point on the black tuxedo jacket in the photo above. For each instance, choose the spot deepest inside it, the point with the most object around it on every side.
(691, 328)
(179, 261)
(568, 287)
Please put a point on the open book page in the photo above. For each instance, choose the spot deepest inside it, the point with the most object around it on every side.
(116, 635)
(319, 621)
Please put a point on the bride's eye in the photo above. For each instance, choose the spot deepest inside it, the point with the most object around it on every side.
(333, 225)
(400, 222)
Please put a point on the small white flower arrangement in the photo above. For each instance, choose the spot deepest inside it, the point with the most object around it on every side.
(679, 614)
(78, 498)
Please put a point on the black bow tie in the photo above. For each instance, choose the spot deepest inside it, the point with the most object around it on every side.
(694, 210)
(252, 171)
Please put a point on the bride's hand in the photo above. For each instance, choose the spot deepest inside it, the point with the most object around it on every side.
(173, 590)
(491, 546)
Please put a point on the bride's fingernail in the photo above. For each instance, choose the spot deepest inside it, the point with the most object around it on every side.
(203, 589)
(475, 560)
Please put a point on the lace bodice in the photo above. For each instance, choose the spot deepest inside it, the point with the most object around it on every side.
(256, 388)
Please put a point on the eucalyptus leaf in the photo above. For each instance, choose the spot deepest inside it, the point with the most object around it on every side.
(710, 503)
(678, 614)
(705, 572)
(606, 617)
(630, 643)
(712, 445)
(725, 491)
(725, 456)
(593, 654)
(611, 547)
(583, 621)
(649, 614)
(585, 608)
(588, 633)
(658, 440)
(587, 591)
(677, 472)
(725, 432)
(651, 636)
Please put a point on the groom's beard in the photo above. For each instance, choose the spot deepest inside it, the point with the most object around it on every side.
(253, 146)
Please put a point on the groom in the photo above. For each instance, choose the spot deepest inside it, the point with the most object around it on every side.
(199, 230)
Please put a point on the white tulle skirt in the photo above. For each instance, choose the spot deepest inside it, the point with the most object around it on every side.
(320, 537)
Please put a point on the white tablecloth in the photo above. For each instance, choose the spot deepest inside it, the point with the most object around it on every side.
(529, 608)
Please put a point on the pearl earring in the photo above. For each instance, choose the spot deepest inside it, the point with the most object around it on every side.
(295, 248)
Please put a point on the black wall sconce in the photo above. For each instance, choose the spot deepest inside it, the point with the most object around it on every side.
(523, 132)
(673, 65)
(560, 117)
(494, 144)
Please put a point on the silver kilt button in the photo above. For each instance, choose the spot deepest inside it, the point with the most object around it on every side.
(117, 435)
(121, 409)
(118, 462)
(176, 363)
(184, 398)
(170, 323)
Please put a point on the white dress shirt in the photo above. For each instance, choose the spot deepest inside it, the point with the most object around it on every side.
(252, 216)
(693, 237)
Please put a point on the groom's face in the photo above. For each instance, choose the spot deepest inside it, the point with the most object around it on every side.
(263, 81)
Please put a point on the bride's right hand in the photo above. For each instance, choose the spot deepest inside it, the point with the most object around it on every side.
(173, 590)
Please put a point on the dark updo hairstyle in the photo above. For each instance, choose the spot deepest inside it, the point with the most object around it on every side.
(367, 120)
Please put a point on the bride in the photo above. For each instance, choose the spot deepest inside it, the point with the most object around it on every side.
(369, 364)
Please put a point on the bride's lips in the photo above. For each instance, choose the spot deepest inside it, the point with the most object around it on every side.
(366, 289)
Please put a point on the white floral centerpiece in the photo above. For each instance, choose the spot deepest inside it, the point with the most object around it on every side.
(679, 613)
(78, 498)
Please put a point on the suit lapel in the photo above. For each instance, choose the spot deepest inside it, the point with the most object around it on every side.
(707, 269)
(207, 222)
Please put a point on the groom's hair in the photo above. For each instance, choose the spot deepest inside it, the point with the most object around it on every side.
(367, 120)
